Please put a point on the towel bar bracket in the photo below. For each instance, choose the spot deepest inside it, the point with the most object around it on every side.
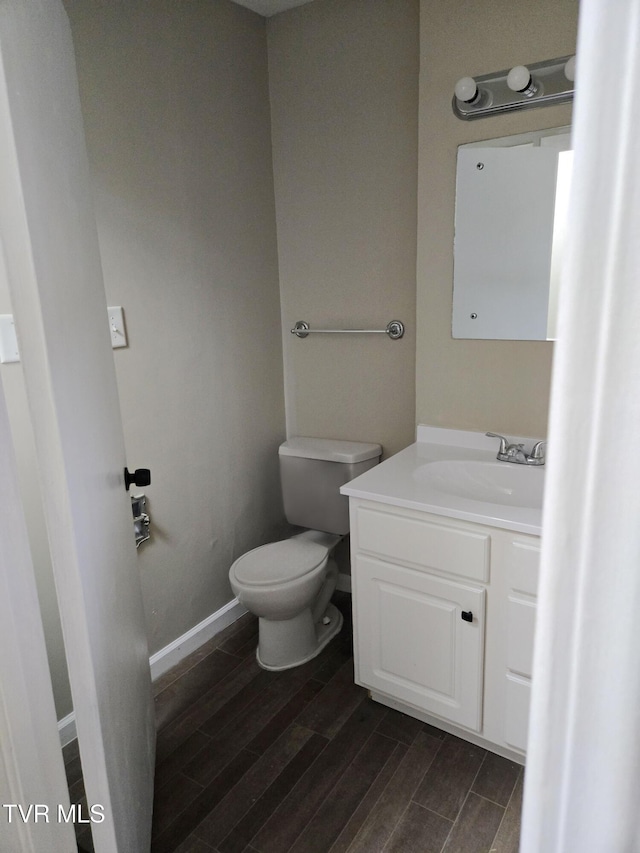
(394, 329)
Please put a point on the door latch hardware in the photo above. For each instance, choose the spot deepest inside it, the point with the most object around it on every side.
(141, 520)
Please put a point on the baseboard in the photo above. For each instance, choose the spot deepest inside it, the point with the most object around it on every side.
(344, 582)
(170, 655)
(167, 657)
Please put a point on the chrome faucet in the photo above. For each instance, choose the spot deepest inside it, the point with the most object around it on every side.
(516, 453)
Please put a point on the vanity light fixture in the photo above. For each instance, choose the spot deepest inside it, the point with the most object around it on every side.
(522, 87)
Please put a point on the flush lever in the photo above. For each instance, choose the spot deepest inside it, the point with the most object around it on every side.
(140, 477)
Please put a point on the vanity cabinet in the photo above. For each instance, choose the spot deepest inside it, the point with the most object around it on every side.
(444, 614)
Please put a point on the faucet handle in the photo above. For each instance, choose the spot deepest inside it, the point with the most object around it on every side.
(538, 450)
(504, 444)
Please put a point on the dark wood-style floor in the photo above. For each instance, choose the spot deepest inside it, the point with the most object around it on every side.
(304, 761)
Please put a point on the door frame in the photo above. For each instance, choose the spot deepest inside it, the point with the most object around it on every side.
(31, 765)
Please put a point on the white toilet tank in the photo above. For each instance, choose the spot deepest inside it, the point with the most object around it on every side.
(312, 471)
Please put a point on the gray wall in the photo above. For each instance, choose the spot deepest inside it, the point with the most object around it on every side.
(343, 78)
(480, 385)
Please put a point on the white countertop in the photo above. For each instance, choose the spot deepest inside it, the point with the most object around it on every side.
(398, 481)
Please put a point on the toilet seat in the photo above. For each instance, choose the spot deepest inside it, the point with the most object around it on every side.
(280, 562)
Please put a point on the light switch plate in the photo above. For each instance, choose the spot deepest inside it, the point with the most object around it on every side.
(8, 341)
(116, 327)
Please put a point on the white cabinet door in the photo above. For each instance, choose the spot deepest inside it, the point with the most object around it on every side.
(413, 642)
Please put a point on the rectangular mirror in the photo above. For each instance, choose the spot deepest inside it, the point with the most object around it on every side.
(511, 205)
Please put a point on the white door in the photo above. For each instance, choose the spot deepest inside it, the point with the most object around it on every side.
(49, 236)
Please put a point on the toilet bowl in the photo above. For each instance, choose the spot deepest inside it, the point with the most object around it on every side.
(288, 584)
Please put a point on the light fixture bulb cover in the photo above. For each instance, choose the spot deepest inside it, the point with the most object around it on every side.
(519, 78)
(466, 89)
(570, 69)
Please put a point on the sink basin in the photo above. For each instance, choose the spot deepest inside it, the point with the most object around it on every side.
(503, 483)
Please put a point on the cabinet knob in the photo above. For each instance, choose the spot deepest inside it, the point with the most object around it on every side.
(467, 615)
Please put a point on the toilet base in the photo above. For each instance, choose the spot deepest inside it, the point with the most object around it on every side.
(283, 645)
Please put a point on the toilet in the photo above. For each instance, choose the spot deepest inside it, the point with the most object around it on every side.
(289, 584)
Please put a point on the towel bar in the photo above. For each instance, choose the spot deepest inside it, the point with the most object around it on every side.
(394, 329)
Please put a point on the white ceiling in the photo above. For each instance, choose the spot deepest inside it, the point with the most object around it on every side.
(270, 7)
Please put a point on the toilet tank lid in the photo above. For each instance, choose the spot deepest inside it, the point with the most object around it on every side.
(329, 449)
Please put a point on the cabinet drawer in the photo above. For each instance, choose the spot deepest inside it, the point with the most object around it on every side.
(425, 544)
(520, 631)
(524, 565)
(517, 717)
